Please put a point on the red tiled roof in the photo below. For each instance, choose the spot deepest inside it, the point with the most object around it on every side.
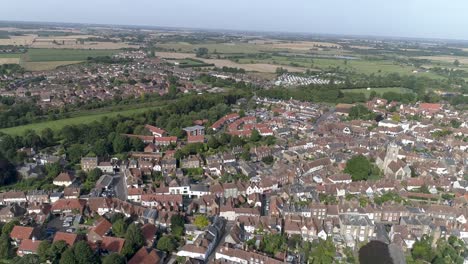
(29, 245)
(101, 226)
(166, 139)
(430, 107)
(21, 232)
(196, 139)
(149, 230)
(63, 204)
(69, 238)
(145, 257)
(64, 177)
(156, 130)
(112, 244)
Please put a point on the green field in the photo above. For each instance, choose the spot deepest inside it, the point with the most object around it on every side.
(10, 55)
(43, 55)
(379, 91)
(84, 119)
(228, 48)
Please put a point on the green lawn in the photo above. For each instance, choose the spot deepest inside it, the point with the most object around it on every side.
(84, 119)
(41, 55)
(379, 91)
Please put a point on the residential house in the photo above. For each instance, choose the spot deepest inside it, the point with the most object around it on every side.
(64, 179)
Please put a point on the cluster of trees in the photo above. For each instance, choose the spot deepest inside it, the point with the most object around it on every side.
(273, 243)
(362, 169)
(229, 69)
(361, 112)
(451, 250)
(10, 69)
(104, 138)
(388, 196)
(168, 243)
(201, 52)
(19, 113)
(332, 92)
(56, 253)
(311, 93)
(8, 174)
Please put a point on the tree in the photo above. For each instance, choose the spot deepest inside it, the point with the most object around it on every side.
(53, 170)
(166, 243)
(28, 259)
(255, 136)
(68, 257)
(201, 221)
(134, 240)
(101, 148)
(273, 243)
(5, 246)
(456, 63)
(43, 250)
(84, 254)
(268, 160)
(8, 227)
(114, 258)
(119, 228)
(361, 112)
(31, 139)
(281, 71)
(422, 249)
(56, 250)
(224, 139)
(201, 52)
(75, 152)
(47, 136)
(213, 143)
(177, 225)
(241, 113)
(94, 175)
(120, 144)
(8, 174)
(245, 155)
(360, 168)
(396, 118)
(323, 253)
(137, 144)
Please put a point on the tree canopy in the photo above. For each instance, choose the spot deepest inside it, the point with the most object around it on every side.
(361, 169)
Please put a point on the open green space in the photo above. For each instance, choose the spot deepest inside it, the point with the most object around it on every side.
(379, 91)
(227, 48)
(84, 118)
(10, 55)
(41, 55)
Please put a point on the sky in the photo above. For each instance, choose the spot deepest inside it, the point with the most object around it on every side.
(444, 19)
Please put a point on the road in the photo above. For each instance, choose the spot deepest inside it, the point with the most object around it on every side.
(227, 230)
(120, 186)
(323, 117)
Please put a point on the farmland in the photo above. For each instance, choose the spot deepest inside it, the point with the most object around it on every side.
(254, 67)
(266, 56)
(41, 55)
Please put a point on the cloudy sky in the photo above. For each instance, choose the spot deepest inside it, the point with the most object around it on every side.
(403, 18)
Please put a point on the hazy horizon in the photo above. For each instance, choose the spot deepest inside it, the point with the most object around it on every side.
(399, 18)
